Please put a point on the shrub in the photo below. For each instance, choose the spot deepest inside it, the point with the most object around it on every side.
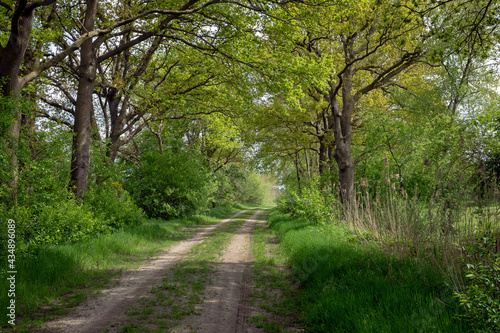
(172, 184)
(226, 189)
(237, 184)
(112, 204)
(251, 188)
(481, 297)
(65, 222)
(315, 205)
(22, 217)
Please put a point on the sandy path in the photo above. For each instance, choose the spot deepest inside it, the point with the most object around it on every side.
(225, 309)
(96, 315)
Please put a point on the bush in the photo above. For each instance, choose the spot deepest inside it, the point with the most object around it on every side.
(314, 205)
(226, 189)
(65, 222)
(22, 217)
(175, 183)
(112, 204)
(481, 297)
(236, 184)
(253, 189)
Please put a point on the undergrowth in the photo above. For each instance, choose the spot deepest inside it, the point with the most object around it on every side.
(349, 284)
(450, 232)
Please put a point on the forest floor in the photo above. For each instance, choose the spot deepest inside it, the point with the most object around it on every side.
(210, 282)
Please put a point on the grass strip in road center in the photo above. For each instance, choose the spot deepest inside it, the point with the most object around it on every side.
(273, 294)
(183, 289)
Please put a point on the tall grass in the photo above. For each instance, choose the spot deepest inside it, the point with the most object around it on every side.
(348, 285)
(457, 233)
(441, 231)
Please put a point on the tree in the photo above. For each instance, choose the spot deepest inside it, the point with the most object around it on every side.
(339, 54)
(112, 58)
(171, 184)
(87, 74)
(80, 160)
(373, 51)
(12, 54)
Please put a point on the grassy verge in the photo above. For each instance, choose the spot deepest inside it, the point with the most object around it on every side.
(273, 294)
(349, 285)
(184, 288)
(58, 277)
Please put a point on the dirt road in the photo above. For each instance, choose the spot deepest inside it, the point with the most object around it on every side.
(225, 306)
(225, 309)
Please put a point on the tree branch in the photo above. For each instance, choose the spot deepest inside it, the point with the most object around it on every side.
(34, 5)
(55, 119)
(389, 73)
(7, 6)
(96, 33)
(57, 105)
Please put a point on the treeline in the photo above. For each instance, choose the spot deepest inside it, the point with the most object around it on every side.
(114, 112)
(388, 124)
(382, 92)
(311, 88)
(174, 182)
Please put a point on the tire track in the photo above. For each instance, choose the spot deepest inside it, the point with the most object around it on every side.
(224, 310)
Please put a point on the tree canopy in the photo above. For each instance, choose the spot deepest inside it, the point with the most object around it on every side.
(300, 89)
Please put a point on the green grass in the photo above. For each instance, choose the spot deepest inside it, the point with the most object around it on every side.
(346, 285)
(223, 211)
(57, 277)
(273, 294)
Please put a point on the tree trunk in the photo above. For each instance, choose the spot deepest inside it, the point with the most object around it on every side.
(297, 168)
(306, 155)
(113, 98)
(11, 57)
(80, 161)
(322, 126)
(342, 130)
(323, 156)
(345, 164)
